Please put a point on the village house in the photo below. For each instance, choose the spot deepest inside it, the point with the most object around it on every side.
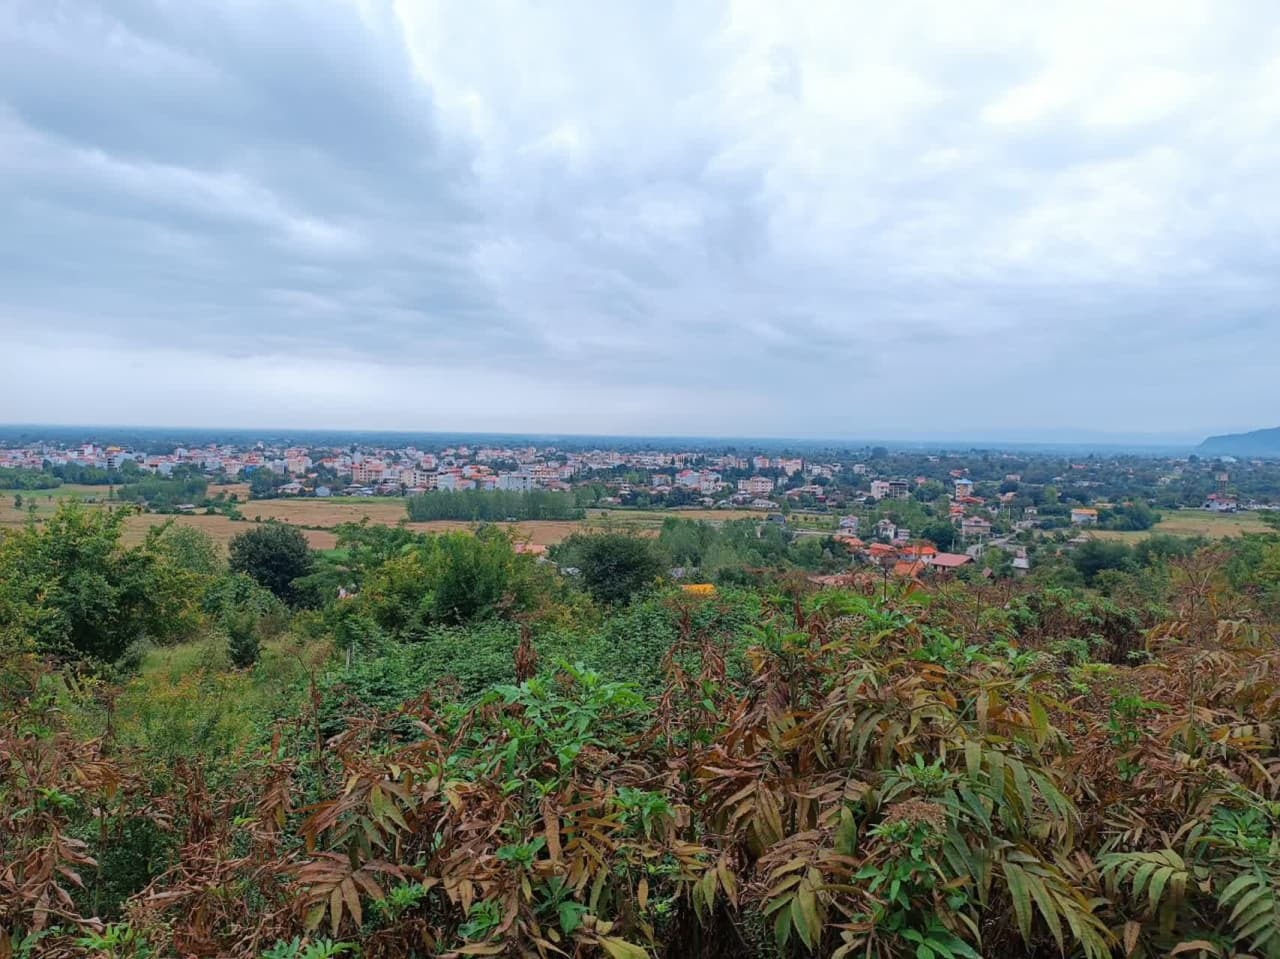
(923, 552)
(909, 569)
(949, 562)
(1221, 503)
(975, 527)
(690, 479)
(1021, 562)
(1084, 516)
(882, 553)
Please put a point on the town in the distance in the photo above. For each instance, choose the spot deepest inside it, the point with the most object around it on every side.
(915, 512)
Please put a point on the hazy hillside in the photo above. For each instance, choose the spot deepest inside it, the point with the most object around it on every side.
(1253, 443)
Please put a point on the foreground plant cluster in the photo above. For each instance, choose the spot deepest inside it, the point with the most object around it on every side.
(949, 773)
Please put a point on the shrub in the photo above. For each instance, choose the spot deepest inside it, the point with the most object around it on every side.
(274, 555)
(243, 646)
(614, 566)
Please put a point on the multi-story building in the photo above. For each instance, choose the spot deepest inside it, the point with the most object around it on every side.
(366, 472)
(756, 485)
(521, 482)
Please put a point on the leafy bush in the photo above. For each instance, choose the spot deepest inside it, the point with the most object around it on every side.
(452, 579)
(243, 645)
(75, 591)
(274, 555)
(613, 567)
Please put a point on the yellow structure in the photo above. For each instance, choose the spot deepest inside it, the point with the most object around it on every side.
(700, 589)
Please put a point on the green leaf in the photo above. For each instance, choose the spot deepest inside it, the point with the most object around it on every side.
(571, 914)
(1158, 881)
(1016, 880)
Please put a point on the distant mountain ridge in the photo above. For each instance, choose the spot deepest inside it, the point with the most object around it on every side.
(1254, 443)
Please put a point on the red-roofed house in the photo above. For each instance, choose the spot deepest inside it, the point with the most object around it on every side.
(880, 552)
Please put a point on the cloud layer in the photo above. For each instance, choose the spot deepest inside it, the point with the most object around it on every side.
(751, 218)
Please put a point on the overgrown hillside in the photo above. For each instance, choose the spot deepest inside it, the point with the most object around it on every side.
(424, 746)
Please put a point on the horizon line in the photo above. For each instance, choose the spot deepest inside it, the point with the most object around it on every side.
(1134, 439)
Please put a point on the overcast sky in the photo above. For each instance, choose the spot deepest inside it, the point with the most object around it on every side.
(836, 219)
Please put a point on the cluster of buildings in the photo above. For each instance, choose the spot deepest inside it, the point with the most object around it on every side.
(322, 472)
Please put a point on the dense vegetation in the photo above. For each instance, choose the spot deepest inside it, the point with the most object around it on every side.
(27, 479)
(493, 506)
(164, 492)
(435, 745)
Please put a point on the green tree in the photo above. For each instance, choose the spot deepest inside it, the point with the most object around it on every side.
(614, 566)
(686, 541)
(940, 533)
(451, 579)
(1096, 555)
(243, 646)
(186, 548)
(263, 483)
(930, 491)
(492, 506)
(1131, 516)
(17, 501)
(69, 587)
(274, 555)
(998, 561)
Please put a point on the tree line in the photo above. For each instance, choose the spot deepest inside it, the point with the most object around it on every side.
(494, 506)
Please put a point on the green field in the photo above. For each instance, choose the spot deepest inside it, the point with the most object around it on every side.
(1194, 523)
(45, 501)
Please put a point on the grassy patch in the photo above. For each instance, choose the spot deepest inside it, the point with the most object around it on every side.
(1193, 523)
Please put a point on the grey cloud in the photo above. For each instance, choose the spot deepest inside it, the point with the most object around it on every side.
(786, 215)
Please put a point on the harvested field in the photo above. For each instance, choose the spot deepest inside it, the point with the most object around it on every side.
(318, 517)
(541, 532)
(328, 513)
(220, 528)
(45, 501)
